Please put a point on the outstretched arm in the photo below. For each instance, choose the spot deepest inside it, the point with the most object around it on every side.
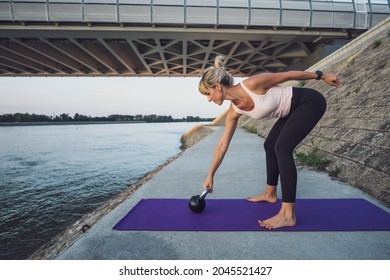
(265, 81)
(222, 146)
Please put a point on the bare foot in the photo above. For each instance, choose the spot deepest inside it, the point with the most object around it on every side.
(269, 195)
(285, 218)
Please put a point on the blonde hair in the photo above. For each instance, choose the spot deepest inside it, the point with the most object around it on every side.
(216, 74)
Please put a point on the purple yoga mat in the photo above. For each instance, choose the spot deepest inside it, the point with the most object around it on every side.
(240, 215)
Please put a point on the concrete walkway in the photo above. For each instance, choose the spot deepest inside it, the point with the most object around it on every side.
(184, 177)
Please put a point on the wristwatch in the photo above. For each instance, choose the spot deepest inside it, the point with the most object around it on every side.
(319, 75)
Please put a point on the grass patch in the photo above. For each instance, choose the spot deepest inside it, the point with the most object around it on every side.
(376, 43)
(349, 61)
(313, 158)
(355, 91)
(250, 129)
(323, 138)
(302, 83)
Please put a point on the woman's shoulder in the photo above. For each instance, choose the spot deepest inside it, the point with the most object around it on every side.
(255, 84)
(249, 82)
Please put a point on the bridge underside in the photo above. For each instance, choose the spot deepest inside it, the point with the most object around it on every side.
(175, 37)
(47, 50)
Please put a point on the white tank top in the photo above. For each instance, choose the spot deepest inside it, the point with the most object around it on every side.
(275, 103)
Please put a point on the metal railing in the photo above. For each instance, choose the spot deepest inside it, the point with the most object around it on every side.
(357, 14)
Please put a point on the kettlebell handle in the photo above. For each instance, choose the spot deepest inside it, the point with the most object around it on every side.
(204, 193)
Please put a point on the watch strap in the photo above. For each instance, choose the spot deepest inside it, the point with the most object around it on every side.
(319, 75)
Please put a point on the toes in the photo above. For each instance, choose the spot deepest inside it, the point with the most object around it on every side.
(264, 224)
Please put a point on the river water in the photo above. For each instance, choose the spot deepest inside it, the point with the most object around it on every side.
(50, 176)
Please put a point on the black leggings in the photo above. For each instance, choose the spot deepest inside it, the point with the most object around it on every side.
(307, 108)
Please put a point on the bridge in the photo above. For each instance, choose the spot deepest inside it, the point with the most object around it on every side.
(175, 37)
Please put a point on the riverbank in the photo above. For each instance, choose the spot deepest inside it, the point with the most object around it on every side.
(59, 243)
(65, 239)
(65, 123)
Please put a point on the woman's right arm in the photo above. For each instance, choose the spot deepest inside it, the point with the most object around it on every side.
(222, 146)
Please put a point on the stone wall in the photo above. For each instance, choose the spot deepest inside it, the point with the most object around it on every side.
(354, 132)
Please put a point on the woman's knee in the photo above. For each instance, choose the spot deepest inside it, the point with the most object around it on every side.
(269, 146)
(283, 149)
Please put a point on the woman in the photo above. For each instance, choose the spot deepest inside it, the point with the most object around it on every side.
(260, 96)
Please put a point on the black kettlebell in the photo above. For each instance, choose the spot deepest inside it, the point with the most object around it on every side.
(197, 203)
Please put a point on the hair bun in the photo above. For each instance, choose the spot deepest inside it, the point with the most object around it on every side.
(220, 62)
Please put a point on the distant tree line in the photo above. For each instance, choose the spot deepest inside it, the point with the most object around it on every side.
(26, 117)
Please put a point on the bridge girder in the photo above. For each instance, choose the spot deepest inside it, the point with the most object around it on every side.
(152, 51)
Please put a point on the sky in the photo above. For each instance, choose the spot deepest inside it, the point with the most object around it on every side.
(103, 96)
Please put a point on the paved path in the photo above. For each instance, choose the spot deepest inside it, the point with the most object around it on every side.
(183, 178)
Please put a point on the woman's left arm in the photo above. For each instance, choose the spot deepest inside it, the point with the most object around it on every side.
(268, 80)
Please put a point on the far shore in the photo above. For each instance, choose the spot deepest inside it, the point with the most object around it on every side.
(77, 123)
(65, 123)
